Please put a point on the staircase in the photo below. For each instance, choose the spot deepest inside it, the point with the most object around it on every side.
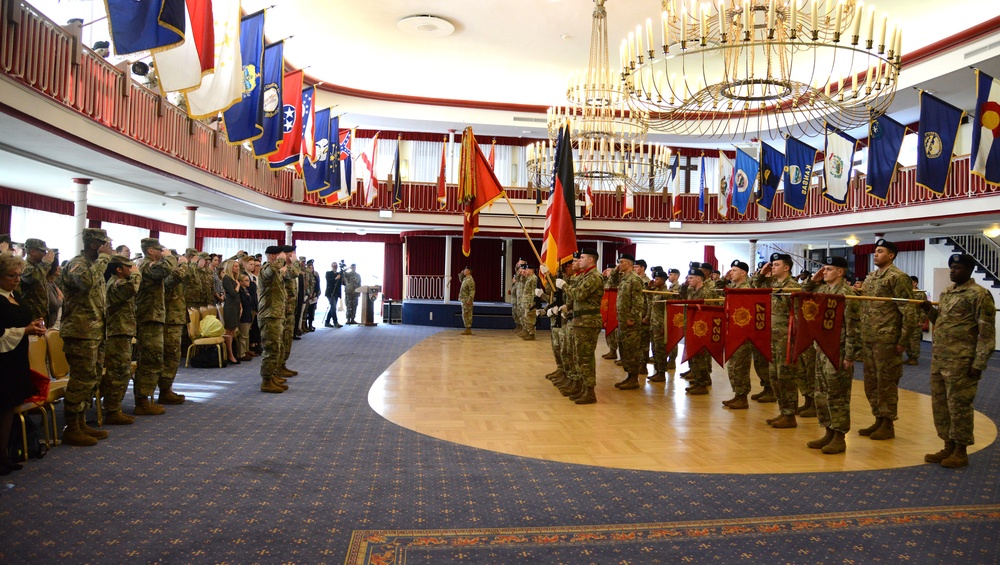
(985, 251)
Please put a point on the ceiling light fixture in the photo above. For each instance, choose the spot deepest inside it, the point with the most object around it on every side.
(759, 68)
(426, 25)
(852, 241)
(993, 232)
(609, 137)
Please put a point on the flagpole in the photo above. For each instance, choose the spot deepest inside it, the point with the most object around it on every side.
(668, 292)
(863, 297)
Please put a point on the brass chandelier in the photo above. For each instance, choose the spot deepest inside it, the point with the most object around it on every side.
(608, 133)
(759, 68)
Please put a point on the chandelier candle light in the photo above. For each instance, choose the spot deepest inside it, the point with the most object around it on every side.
(611, 153)
(747, 69)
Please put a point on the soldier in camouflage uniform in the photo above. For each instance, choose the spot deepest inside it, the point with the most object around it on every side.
(806, 382)
(515, 295)
(645, 333)
(673, 285)
(631, 308)
(964, 339)
(151, 314)
(529, 295)
(563, 313)
(657, 315)
(352, 284)
(467, 295)
(174, 320)
(834, 377)
(585, 293)
(885, 329)
(738, 366)
(120, 294)
(611, 338)
(290, 282)
(271, 319)
(192, 281)
(700, 364)
(34, 283)
(913, 345)
(777, 274)
(82, 330)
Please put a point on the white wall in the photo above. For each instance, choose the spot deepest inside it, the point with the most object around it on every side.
(935, 275)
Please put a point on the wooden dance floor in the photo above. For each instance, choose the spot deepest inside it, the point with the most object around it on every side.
(488, 391)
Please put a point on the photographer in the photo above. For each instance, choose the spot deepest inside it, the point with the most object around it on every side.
(334, 282)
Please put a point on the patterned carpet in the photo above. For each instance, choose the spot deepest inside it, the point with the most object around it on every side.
(315, 476)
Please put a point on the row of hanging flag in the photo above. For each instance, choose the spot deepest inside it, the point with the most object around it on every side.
(757, 177)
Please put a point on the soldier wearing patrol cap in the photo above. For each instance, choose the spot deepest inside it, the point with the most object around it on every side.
(34, 283)
(645, 332)
(631, 308)
(175, 318)
(833, 377)
(885, 329)
(657, 315)
(738, 366)
(777, 275)
(673, 285)
(964, 339)
(585, 293)
(467, 295)
(82, 330)
(120, 294)
(290, 281)
(700, 365)
(151, 314)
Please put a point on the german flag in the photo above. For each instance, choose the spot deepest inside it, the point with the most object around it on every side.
(559, 239)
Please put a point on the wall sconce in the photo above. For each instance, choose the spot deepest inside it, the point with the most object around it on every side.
(993, 232)
(852, 241)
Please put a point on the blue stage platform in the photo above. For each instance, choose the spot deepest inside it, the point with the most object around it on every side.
(485, 315)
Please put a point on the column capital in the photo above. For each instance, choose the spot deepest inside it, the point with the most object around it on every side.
(191, 208)
(82, 181)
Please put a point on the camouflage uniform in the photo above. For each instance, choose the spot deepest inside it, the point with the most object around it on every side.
(271, 318)
(467, 295)
(762, 367)
(175, 319)
(701, 363)
(806, 369)
(528, 301)
(631, 306)
(352, 282)
(82, 327)
(556, 334)
(782, 376)
(34, 288)
(884, 325)
(290, 283)
(657, 322)
(645, 331)
(964, 339)
(194, 296)
(833, 382)
(515, 300)
(150, 316)
(585, 294)
(738, 366)
(611, 338)
(567, 348)
(120, 300)
(913, 345)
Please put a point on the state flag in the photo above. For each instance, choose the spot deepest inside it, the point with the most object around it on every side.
(838, 165)
(745, 180)
(986, 128)
(308, 135)
(243, 119)
(939, 123)
(799, 161)
(291, 123)
(885, 140)
(223, 86)
(397, 183)
(368, 171)
(727, 172)
(151, 25)
(675, 181)
(772, 164)
(702, 185)
(316, 171)
(342, 165)
(181, 67)
(271, 101)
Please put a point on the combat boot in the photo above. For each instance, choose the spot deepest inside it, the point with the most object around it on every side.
(555, 375)
(644, 369)
(785, 422)
(579, 394)
(267, 385)
(757, 395)
(958, 458)
(145, 407)
(73, 434)
(279, 382)
(807, 410)
(766, 396)
(837, 445)
(528, 337)
(610, 355)
(573, 388)
(562, 381)
(949, 447)
(739, 403)
(631, 383)
(588, 396)
(286, 372)
(467, 331)
(168, 396)
(118, 418)
(623, 381)
(96, 434)
(823, 441)
(697, 390)
(886, 431)
(658, 377)
(868, 431)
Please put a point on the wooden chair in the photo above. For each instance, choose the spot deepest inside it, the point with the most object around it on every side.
(194, 334)
(59, 371)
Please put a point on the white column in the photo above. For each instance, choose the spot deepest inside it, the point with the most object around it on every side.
(447, 269)
(406, 273)
(288, 233)
(753, 255)
(192, 212)
(508, 260)
(80, 210)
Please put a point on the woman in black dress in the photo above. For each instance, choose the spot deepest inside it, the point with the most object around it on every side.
(15, 376)
(231, 307)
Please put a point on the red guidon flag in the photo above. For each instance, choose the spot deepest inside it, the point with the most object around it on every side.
(675, 323)
(819, 318)
(559, 239)
(478, 187)
(748, 318)
(609, 309)
(705, 330)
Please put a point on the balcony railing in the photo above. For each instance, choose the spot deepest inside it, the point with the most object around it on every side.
(425, 287)
(50, 60)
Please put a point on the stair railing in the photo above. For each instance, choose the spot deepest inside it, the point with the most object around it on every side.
(983, 249)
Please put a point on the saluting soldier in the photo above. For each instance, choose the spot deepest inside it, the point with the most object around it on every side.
(82, 329)
(290, 281)
(271, 319)
(700, 364)
(913, 345)
(833, 377)
(192, 280)
(673, 285)
(611, 338)
(885, 329)
(738, 366)
(777, 275)
(964, 339)
(151, 315)
(631, 307)
(515, 295)
(467, 295)
(585, 293)
(657, 315)
(529, 294)
(644, 330)
(352, 286)
(174, 321)
(34, 281)
(121, 290)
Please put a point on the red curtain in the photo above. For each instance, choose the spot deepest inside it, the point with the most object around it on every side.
(98, 214)
(521, 249)
(485, 260)
(5, 218)
(425, 255)
(21, 199)
(324, 236)
(863, 252)
(392, 286)
(710, 256)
